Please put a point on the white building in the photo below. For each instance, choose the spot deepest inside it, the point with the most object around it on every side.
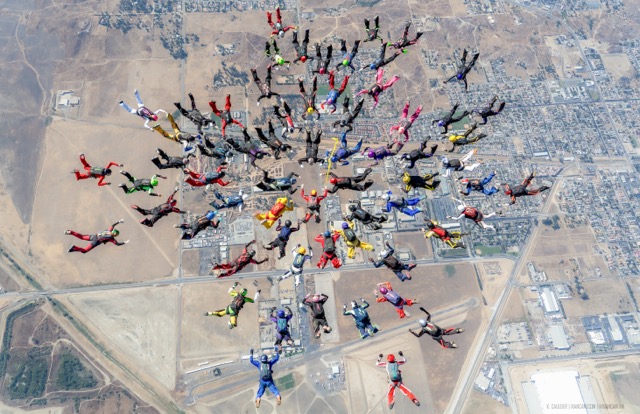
(564, 392)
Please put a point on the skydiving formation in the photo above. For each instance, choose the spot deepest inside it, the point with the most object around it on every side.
(299, 138)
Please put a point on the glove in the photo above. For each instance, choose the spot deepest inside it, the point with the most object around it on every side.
(206, 314)
(400, 353)
(361, 300)
(121, 221)
(371, 260)
(251, 351)
(380, 356)
(344, 306)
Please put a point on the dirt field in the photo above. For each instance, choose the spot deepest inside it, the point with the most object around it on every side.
(605, 296)
(494, 275)
(478, 402)
(136, 323)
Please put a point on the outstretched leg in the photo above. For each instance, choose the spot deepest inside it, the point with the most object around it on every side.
(138, 99)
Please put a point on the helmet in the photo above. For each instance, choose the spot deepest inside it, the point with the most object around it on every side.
(384, 254)
(333, 180)
(430, 224)
(244, 291)
(154, 181)
(287, 223)
(373, 66)
(264, 359)
(460, 208)
(507, 192)
(445, 160)
(327, 233)
(459, 76)
(115, 232)
(440, 123)
(384, 290)
(302, 250)
(345, 62)
(314, 193)
(422, 322)
(354, 304)
(322, 71)
(210, 214)
(252, 253)
(406, 178)
(303, 59)
(464, 180)
(401, 130)
(311, 160)
(280, 313)
(281, 34)
(352, 207)
(173, 203)
(391, 358)
(154, 117)
(291, 130)
(345, 225)
(293, 181)
(107, 171)
(371, 153)
(310, 110)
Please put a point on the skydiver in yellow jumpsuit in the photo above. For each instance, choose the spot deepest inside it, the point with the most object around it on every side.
(352, 239)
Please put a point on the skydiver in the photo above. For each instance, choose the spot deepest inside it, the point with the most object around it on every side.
(343, 153)
(455, 164)
(104, 237)
(392, 263)
(322, 64)
(380, 60)
(265, 366)
(171, 162)
(300, 256)
(521, 190)
(184, 138)
(361, 317)
(278, 184)
(225, 116)
(191, 230)
(313, 203)
(142, 184)
(313, 146)
(402, 204)
(265, 88)
(394, 375)
(195, 179)
(475, 184)
(278, 28)
(142, 111)
(452, 238)
(403, 41)
(378, 154)
(488, 110)
(283, 237)
(328, 242)
(281, 206)
(281, 321)
(333, 95)
(276, 58)
(379, 87)
(235, 266)
(388, 295)
(272, 141)
(194, 115)
(436, 332)
(316, 303)
(302, 54)
(404, 125)
(95, 172)
(236, 305)
(464, 139)
(158, 212)
(374, 222)
(248, 147)
(218, 150)
(288, 126)
(350, 183)
(347, 116)
(309, 98)
(419, 154)
(229, 201)
(352, 240)
(449, 119)
(372, 33)
(463, 69)
(347, 58)
(472, 213)
(426, 181)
